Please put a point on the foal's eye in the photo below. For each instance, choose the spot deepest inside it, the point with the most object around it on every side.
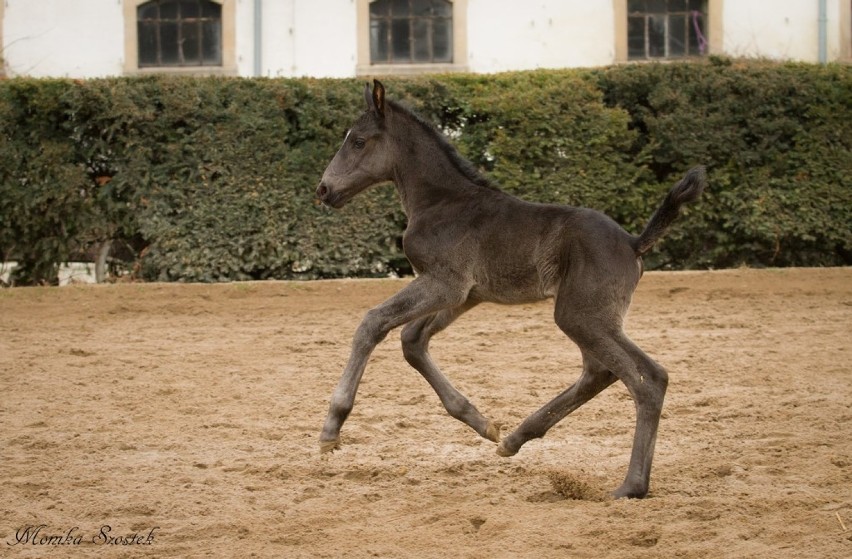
(359, 143)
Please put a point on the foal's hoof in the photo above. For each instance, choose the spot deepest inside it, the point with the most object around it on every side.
(492, 431)
(630, 492)
(503, 450)
(329, 446)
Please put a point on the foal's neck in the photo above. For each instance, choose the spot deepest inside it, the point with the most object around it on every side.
(428, 170)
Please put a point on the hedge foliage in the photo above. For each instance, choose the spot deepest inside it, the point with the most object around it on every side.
(212, 179)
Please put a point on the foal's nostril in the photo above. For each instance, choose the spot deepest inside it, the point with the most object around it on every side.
(322, 191)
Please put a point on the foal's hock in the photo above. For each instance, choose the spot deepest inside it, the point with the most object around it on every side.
(469, 243)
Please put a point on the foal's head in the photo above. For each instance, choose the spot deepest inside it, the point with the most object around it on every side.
(364, 158)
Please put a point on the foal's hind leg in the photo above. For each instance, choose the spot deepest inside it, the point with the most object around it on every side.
(594, 379)
(590, 308)
(646, 381)
(415, 347)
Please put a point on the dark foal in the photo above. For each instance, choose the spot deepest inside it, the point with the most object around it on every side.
(471, 243)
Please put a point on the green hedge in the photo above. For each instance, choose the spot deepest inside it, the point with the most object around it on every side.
(211, 179)
(778, 142)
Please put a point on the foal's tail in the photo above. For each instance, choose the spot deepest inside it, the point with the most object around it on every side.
(686, 191)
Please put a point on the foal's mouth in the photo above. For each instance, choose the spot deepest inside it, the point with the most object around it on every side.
(330, 198)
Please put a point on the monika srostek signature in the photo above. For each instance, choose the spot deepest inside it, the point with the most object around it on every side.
(41, 535)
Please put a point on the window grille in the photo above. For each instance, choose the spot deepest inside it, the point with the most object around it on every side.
(179, 33)
(660, 29)
(411, 32)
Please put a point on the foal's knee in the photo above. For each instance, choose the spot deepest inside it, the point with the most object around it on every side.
(660, 378)
(653, 383)
(413, 346)
(371, 331)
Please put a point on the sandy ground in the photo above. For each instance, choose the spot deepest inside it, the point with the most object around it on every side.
(189, 415)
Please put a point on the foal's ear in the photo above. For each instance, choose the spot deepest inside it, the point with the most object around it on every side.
(376, 98)
(368, 96)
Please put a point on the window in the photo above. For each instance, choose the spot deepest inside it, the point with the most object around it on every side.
(397, 37)
(179, 33)
(658, 29)
(157, 33)
(411, 32)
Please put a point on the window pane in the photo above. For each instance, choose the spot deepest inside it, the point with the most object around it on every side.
(635, 6)
(422, 52)
(442, 8)
(656, 6)
(442, 40)
(694, 46)
(400, 41)
(677, 5)
(169, 43)
(421, 8)
(190, 40)
(432, 8)
(189, 9)
(677, 35)
(656, 36)
(148, 11)
(147, 43)
(697, 5)
(378, 41)
(211, 44)
(168, 9)
(636, 37)
(399, 8)
(380, 8)
(211, 9)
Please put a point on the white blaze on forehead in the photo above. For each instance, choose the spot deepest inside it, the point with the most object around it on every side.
(347, 135)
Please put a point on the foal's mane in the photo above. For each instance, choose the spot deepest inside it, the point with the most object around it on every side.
(465, 167)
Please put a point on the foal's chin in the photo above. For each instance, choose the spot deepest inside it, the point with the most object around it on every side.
(335, 201)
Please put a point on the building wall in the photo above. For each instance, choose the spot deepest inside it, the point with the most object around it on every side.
(63, 38)
(300, 38)
(86, 38)
(786, 30)
(512, 35)
(776, 30)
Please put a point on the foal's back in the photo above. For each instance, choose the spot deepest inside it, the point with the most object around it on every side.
(513, 251)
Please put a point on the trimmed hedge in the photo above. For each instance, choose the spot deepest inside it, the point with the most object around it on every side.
(777, 140)
(212, 179)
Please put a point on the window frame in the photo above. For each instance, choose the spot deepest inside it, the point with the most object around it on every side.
(430, 23)
(2, 58)
(198, 31)
(365, 66)
(712, 31)
(845, 32)
(228, 34)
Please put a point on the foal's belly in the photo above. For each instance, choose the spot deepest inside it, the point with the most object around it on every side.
(511, 289)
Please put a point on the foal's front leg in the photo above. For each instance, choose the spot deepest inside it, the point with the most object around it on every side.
(421, 297)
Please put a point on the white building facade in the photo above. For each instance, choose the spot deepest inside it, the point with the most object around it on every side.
(346, 38)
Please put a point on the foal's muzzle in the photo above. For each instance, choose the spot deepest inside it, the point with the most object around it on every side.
(322, 192)
(329, 197)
